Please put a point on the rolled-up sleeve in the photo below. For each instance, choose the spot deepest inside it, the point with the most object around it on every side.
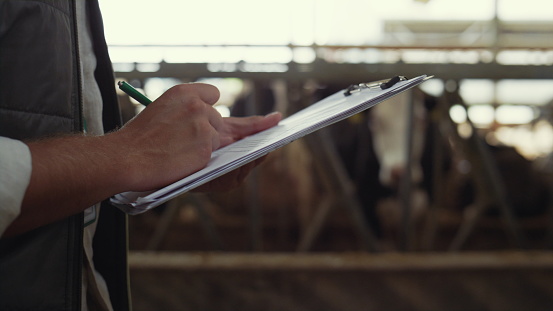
(15, 175)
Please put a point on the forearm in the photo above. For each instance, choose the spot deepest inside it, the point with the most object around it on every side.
(69, 174)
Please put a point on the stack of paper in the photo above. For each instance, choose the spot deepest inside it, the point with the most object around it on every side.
(323, 113)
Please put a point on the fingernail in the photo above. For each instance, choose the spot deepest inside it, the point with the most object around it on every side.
(271, 114)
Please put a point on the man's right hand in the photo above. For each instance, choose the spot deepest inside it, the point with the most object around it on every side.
(171, 138)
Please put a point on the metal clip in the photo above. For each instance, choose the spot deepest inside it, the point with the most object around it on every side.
(382, 84)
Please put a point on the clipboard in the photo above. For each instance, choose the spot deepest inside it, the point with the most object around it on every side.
(336, 107)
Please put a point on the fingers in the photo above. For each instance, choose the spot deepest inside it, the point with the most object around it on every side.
(184, 125)
(238, 128)
(268, 121)
(215, 119)
(188, 94)
(193, 103)
(216, 122)
(215, 140)
(207, 93)
(251, 125)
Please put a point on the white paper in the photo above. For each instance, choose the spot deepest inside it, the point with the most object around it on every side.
(330, 110)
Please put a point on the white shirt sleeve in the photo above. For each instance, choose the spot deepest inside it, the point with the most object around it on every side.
(15, 175)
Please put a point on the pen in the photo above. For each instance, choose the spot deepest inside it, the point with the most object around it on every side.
(134, 93)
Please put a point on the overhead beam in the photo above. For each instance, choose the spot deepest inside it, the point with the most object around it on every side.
(346, 73)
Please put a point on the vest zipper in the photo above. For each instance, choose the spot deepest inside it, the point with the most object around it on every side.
(77, 221)
(81, 122)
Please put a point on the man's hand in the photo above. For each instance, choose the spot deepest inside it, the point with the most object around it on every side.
(170, 139)
(175, 135)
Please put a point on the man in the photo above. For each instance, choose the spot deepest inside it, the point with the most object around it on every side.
(62, 151)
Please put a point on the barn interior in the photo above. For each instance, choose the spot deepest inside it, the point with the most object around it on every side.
(439, 199)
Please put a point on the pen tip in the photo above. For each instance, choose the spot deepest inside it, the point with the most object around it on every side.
(119, 83)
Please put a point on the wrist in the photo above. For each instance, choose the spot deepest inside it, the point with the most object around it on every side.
(123, 163)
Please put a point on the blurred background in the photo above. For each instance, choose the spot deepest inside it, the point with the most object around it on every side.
(437, 199)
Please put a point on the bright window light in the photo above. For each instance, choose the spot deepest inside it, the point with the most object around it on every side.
(524, 10)
(148, 67)
(510, 114)
(304, 55)
(477, 91)
(177, 22)
(458, 114)
(307, 22)
(481, 115)
(525, 92)
(434, 87)
(525, 57)
(135, 54)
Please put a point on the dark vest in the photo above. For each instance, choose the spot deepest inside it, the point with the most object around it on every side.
(40, 96)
